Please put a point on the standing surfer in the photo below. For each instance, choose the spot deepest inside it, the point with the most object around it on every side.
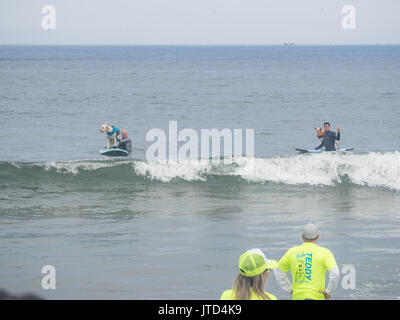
(329, 137)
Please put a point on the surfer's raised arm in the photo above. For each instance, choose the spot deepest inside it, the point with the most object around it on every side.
(338, 133)
(329, 137)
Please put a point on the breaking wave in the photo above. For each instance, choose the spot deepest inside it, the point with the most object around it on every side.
(367, 169)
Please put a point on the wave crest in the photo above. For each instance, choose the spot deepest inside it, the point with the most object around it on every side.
(369, 169)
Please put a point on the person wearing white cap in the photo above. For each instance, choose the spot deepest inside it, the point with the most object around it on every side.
(308, 264)
(254, 268)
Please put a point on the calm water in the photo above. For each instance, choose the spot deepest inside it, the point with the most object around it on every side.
(129, 228)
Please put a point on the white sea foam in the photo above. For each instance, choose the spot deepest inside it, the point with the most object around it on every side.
(189, 170)
(370, 169)
(74, 167)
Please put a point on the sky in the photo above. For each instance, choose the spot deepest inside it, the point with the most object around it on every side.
(200, 22)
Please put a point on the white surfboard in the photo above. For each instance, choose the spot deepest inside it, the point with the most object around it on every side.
(322, 150)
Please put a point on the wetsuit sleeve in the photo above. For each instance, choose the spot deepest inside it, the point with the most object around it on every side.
(338, 136)
(320, 146)
(125, 144)
(129, 145)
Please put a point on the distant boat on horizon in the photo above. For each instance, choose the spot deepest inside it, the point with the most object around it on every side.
(288, 43)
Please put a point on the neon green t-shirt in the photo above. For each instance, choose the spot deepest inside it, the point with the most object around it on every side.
(308, 264)
(230, 295)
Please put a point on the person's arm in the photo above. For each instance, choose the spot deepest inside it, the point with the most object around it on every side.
(338, 134)
(333, 277)
(128, 145)
(280, 273)
(283, 280)
(333, 281)
(321, 145)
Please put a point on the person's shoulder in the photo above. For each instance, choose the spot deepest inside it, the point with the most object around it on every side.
(292, 251)
(295, 248)
(324, 250)
(227, 295)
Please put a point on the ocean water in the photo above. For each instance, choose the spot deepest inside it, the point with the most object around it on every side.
(136, 229)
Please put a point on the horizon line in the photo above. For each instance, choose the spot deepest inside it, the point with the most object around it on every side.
(202, 45)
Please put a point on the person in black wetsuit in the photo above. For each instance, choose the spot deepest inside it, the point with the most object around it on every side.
(329, 137)
(125, 143)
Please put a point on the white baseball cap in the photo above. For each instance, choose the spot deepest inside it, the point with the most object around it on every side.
(310, 231)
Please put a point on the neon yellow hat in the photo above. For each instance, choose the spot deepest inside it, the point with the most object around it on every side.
(254, 262)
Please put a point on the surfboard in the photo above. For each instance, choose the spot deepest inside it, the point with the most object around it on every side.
(113, 152)
(322, 151)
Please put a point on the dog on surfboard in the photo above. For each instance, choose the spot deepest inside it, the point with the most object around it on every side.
(112, 133)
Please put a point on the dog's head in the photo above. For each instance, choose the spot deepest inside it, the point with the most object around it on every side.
(104, 127)
(320, 132)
